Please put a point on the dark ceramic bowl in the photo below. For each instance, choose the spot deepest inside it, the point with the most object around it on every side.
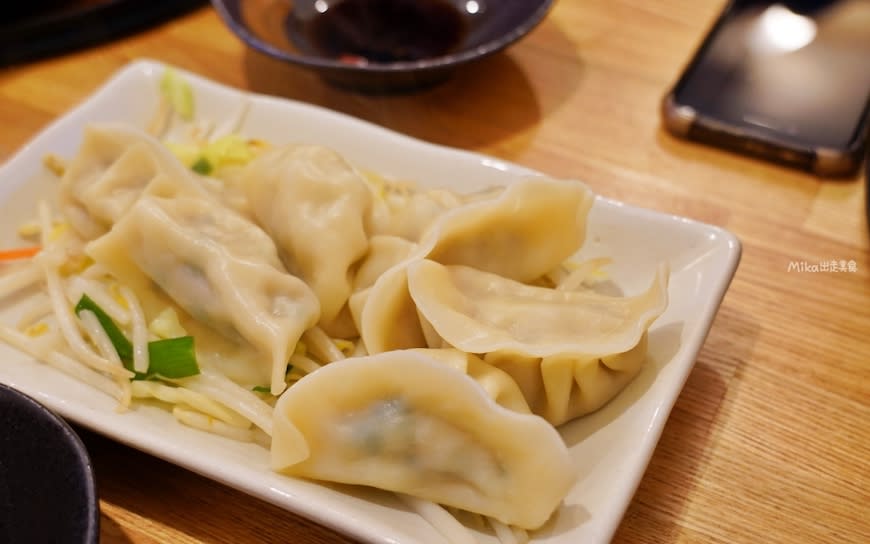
(381, 46)
(867, 186)
(47, 489)
(39, 28)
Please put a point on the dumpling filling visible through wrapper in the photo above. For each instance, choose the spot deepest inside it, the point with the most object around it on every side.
(217, 266)
(408, 422)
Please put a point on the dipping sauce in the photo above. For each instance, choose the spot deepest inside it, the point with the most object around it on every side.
(386, 30)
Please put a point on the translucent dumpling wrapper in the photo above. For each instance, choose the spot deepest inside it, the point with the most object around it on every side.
(385, 314)
(112, 167)
(562, 388)
(497, 383)
(480, 312)
(313, 204)
(569, 351)
(407, 422)
(405, 211)
(521, 232)
(219, 267)
(384, 252)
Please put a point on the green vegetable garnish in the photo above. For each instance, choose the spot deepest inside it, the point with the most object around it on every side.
(202, 166)
(178, 93)
(172, 358)
(123, 346)
(228, 149)
(262, 389)
(169, 358)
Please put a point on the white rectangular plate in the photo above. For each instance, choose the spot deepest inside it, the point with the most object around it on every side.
(611, 447)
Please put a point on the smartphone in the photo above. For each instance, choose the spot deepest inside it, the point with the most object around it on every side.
(788, 81)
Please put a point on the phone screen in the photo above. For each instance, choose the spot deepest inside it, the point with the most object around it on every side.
(793, 70)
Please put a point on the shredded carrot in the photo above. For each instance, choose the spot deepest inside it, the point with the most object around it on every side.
(19, 253)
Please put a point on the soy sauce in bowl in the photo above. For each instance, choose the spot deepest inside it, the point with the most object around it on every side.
(384, 31)
(381, 46)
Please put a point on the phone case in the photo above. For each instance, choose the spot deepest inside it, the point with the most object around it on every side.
(683, 121)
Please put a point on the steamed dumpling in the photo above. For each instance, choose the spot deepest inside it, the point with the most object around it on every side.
(497, 383)
(313, 204)
(113, 166)
(406, 212)
(521, 232)
(407, 422)
(479, 312)
(384, 252)
(569, 351)
(216, 265)
(562, 388)
(385, 314)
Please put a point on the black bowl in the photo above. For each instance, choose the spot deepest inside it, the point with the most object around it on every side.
(47, 489)
(373, 45)
(40, 28)
(867, 186)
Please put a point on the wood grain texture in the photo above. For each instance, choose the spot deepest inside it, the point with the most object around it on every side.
(768, 442)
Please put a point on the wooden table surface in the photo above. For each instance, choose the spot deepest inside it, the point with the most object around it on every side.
(770, 438)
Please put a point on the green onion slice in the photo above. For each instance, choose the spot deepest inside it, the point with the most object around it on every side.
(123, 346)
(178, 93)
(170, 358)
(262, 389)
(202, 166)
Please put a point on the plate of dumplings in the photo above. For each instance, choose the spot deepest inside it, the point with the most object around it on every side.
(404, 342)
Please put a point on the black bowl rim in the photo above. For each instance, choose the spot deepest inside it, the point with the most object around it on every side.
(71, 438)
(444, 61)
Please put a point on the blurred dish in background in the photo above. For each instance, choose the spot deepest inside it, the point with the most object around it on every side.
(380, 46)
(41, 28)
(47, 488)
